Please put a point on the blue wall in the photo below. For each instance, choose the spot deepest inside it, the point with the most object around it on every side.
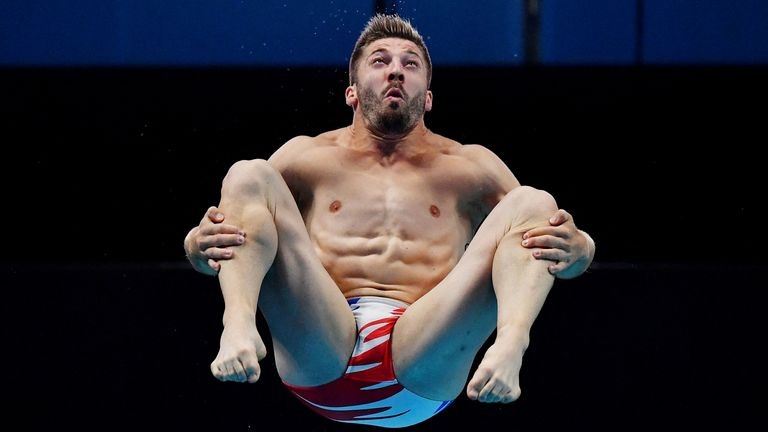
(695, 31)
(251, 32)
(594, 31)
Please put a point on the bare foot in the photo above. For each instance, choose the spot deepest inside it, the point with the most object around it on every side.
(497, 378)
(240, 350)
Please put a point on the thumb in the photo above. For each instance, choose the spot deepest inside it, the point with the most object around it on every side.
(215, 215)
(559, 218)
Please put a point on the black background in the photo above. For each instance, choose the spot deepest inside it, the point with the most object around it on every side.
(105, 170)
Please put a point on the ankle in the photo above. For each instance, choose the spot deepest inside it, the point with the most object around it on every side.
(238, 317)
(510, 333)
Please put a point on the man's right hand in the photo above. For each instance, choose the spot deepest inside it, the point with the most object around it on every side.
(211, 241)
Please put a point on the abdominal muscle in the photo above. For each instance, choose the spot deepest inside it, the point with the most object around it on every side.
(374, 255)
(389, 267)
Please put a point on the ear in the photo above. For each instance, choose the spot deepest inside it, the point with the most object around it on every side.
(428, 101)
(350, 94)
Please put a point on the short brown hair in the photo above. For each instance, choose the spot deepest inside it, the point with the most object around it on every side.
(387, 26)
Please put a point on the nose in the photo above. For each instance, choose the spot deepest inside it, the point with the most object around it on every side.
(396, 72)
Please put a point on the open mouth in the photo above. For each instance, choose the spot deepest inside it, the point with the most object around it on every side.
(394, 92)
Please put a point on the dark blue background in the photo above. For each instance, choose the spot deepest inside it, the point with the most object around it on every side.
(281, 33)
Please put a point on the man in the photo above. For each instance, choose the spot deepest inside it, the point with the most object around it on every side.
(382, 255)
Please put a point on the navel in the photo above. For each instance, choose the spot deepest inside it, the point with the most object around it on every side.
(335, 206)
(434, 210)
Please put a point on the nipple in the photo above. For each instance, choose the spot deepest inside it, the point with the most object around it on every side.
(335, 206)
(434, 210)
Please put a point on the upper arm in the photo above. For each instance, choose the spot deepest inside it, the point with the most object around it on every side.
(286, 161)
(496, 178)
(285, 157)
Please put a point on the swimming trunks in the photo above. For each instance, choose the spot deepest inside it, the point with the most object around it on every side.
(369, 392)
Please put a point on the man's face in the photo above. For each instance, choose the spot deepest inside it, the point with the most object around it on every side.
(392, 85)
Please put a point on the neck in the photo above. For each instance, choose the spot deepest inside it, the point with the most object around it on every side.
(364, 137)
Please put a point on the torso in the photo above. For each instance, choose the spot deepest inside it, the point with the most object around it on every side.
(391, 227)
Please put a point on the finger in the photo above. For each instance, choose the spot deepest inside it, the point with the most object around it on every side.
(214, 265)
(203, 267)
(220, 241)
(540, 231)
(557, 268)
(206, 216)
(210, 229)
(546, 241)
(214, 215)
(560, 217)
(555, 255)
(219, 253)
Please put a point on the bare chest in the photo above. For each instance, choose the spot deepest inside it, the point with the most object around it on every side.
(385, 203)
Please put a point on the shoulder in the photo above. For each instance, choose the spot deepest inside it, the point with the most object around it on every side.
(302, 148)
(488, 166)
(288, 152)
(477, 160)
(471, 153)
(478, 154)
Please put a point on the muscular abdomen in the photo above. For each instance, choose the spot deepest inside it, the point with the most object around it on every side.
(397, 247)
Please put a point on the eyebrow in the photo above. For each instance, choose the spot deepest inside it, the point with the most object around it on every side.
(387, 51)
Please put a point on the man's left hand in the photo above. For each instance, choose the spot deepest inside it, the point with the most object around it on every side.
(570, 249)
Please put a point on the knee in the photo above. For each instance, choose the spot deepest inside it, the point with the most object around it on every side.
(530, 203)
(248, 177)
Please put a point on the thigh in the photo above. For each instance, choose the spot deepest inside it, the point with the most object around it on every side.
(436, 340)
(312, 327)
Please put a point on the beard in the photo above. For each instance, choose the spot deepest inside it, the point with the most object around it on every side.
(395, 118)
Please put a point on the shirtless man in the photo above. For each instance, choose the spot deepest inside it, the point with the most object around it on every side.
(383, 228)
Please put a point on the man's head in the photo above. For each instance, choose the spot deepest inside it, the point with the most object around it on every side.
(387, 26)
(390, 72)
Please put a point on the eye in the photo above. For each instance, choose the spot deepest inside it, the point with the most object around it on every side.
(377, 60)
(413, 63)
